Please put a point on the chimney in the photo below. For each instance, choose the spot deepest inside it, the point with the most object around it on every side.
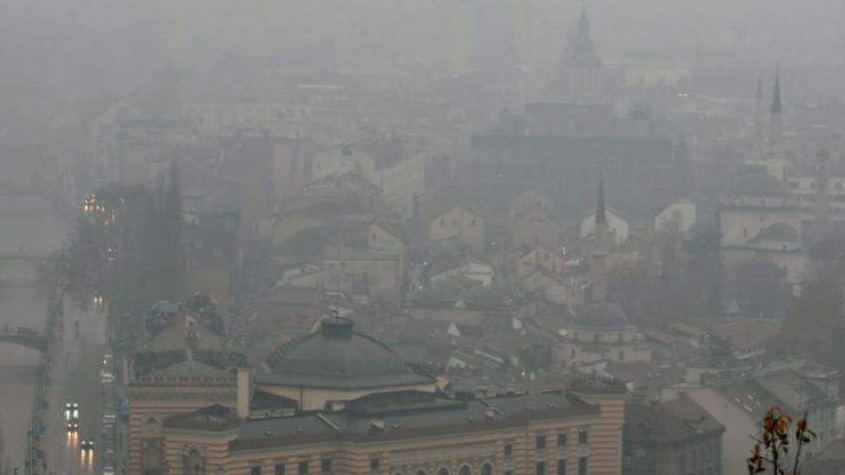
(243, 393)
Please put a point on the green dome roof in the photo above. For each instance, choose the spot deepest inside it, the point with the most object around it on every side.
(339, 358)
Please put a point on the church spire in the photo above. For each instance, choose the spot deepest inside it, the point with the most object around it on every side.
(777, 106)
(776, 114)
(582, 52)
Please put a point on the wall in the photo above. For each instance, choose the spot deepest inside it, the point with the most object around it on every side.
(459, 223)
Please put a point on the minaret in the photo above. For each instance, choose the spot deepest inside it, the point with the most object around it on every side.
(601, 248)
(822, 207)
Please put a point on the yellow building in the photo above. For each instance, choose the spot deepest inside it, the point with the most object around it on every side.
(360, 410)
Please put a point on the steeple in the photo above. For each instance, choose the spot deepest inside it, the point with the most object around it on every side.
(582, 51)
(776, 114)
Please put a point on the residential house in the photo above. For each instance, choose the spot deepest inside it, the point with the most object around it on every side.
(367, 273)
(540, 258)
(461, 223)
(531, 222)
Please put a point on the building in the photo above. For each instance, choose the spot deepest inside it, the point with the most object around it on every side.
(672, 437)
(360, 410)
(740, 405)
(460, 223)
(601, 331)
(758, 216)
(184, 367)
(617, 227)
(532, 222)
(581, 74)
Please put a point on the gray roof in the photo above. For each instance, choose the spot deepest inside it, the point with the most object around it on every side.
(420, 414)
(780, 232)
(339, 358)
(601, 315)
(756, 183)
(672, 422)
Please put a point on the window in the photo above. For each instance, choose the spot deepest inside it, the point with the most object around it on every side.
(255, 470)
(326, 465)
(541, 468)
(193, 463)
(582, 465)
(508, 450)
(303, 468)
(373, 463)
(561, 439)
(279, 469)
(454, 221)
(472, 223)
(540, 442)
(375, 237)
(621, 355)
(561, 467)
(442, 222)
(420, 472)
(465, 470)
(583, 436)
(486, 469)
(443, 471)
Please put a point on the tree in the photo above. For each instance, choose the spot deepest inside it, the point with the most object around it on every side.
(771, 450)
(760, 287)
(813, 327)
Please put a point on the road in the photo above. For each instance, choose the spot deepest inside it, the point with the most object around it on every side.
(76, 378)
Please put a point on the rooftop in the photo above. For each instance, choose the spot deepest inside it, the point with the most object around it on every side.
(339, 358)
(418, 414)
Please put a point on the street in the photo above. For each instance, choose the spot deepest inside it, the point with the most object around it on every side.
(76, 378)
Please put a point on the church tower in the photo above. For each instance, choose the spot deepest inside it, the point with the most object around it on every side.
(581, 74)
(772, 154)
(776, 115)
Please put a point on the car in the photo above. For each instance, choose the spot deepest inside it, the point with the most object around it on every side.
(71, 411)
(87, 446)
(73, 426)
(108, 470)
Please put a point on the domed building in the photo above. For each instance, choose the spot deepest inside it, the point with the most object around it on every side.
(601, 331)
(335, 365)
(758, 214)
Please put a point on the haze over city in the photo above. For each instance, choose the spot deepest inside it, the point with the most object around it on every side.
(410, 237)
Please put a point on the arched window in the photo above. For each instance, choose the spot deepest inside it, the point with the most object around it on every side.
(420, 472)
(465, 470)
(193, 463)
(486, 469)
(443, 471)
